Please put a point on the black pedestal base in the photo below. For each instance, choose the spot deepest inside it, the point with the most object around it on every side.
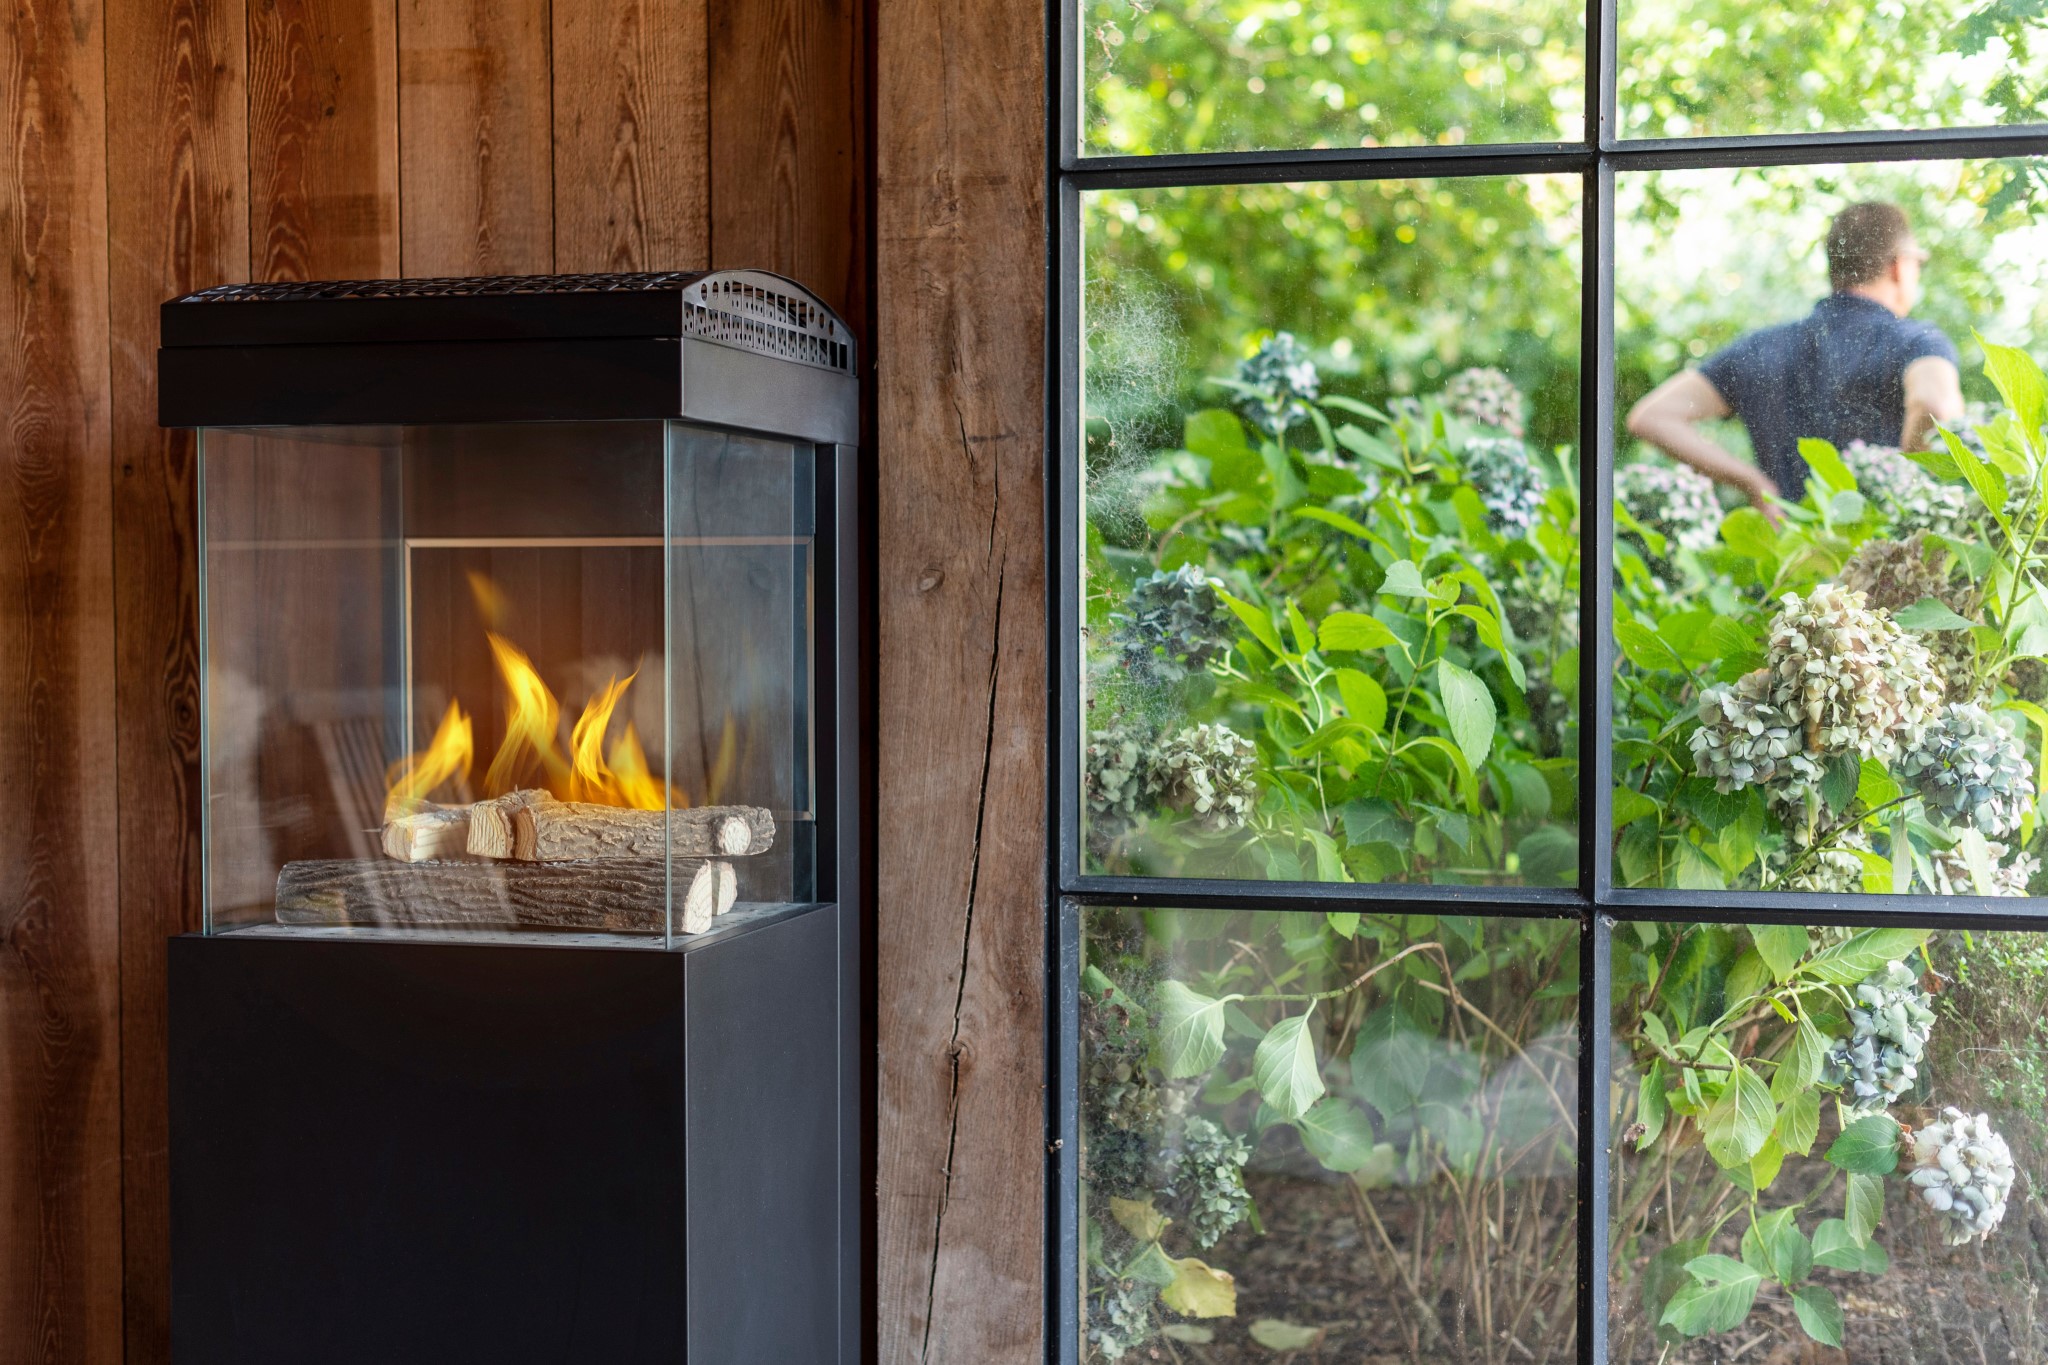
(400, 1152)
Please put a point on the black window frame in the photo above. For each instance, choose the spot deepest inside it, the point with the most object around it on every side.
(1594, 902)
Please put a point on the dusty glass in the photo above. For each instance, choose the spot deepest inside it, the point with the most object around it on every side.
(1347, 1136)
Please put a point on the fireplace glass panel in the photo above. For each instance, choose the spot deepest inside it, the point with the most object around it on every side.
(543, 679)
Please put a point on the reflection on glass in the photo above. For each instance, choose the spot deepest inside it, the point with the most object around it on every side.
(1729, 67)
(1830, 676)
(1235, 75)
(1827, 1135)
(1332, 532)
(1347, 1137)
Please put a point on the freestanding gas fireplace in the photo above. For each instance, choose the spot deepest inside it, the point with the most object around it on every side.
(523, 1024)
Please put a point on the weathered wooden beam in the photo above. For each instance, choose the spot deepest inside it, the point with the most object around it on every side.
(618, 895)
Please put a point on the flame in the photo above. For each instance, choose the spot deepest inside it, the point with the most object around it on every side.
(532, 719)
(448, 755)
(490, 599)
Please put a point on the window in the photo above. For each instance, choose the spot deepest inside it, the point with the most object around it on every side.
(1519, 898)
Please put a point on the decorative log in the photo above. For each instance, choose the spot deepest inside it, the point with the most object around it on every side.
(564, 831)
(491, 832)
(621, 895)
(437, 832)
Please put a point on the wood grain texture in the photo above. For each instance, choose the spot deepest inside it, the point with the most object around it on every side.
(960, 900)
(323, 139)
(60, 1120)
(787, 144)
(632, 183)
(177, 142)
(475, 137)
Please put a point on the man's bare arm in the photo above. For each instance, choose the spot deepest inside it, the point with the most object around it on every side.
(1667, 417)
(1934, 393)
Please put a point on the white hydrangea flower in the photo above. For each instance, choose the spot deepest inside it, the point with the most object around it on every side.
(1963, 1171)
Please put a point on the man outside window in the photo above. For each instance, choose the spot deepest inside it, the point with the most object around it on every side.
(1854, 369)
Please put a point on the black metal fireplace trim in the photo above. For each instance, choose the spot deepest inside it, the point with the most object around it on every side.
(738, 348)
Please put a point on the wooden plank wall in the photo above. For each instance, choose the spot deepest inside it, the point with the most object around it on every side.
(960, 318)
(157, 146)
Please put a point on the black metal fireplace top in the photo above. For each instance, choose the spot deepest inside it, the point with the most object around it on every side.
(752, 310)
(688, 344)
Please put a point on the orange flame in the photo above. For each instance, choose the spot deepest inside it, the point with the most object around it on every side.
(532, 719)
(624, 780)
(447, 756)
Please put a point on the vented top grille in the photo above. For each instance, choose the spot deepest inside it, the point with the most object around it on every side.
(750, 310)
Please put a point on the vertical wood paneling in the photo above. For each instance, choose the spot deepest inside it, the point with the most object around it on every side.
(323, 139)
(475, 137)
(177, 145)
(785, 182)
(60, 1121)
(632, 182)
(960, 901)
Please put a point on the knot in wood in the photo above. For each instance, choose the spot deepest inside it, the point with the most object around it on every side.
(931, 578)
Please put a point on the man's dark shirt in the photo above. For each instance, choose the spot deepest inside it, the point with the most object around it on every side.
(1838, 373)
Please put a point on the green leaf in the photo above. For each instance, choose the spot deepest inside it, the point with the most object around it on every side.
(1834, 1248)
(1190, 1030)
(1338, 1134)
(1403, 580)
(1631, 805)
(1152, 1266)
(1749, 534)
(1819, 1314)
(1138, 1217)
(1469, 707)
(1720, 1296)
(1863, 1206)
(1737, 1123)
(1826, 464)
(1930, 614)
(1200, 1291)
(1356, 631)
(1256, 621)
(2019, 382)
(1876, 787)
(1838, 781)
(1646, 649)
(1652, 1109)
(1775, 1245)
(1987, 482)
(1765, 1165)
(1799, 1122)
(1781, 946)
(1275, 1335)
(1869, 1146)
(1488, 627)
(1284, 1066)
(1848, 962)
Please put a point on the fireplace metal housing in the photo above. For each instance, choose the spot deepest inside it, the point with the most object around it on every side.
(590, 1090)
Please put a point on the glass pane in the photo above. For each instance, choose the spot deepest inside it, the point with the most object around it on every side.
(1349, 1138)
(1331, 510)
(1243, 75)
(1827, 1135)
(1726, 67)
(1837, 689)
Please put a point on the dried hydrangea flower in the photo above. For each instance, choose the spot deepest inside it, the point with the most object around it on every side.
(1941, 509)
(1675, 501)
(1888, 1030)
(1963, 1171)
(1970, 771)
(1746, 739)
(1504, 474)
(1855, 682)
(1120, 1317)
(1207, 1182)
(1486, 397)
(1952, 872)
(1882, 472)
(1280, 382)
(1115, 774)
(1172, 624)
(1893, 575)
(1206, 771)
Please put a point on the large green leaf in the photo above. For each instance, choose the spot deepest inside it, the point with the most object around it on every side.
(1469, 708)
(1869, 1146)
(1775, 1245)
(1284, 1066)
(1255, 620)
(1834, 1248)
(1931, 614)
(1781, 946)
(1826, 463)
(1190, 1030)
(1200, 1291)
(1738, 1122)
(1356, 631)
(2019, 382)
(1652, 1109)
(1720, 1296)
(1339, 1135)
(1863, 1206)
(1799, 1122)
(1799, 1065)
(1403, 580)
(1819, 1314)
(1848, 962)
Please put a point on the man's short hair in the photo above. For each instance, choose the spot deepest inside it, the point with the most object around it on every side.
(1863, 241)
